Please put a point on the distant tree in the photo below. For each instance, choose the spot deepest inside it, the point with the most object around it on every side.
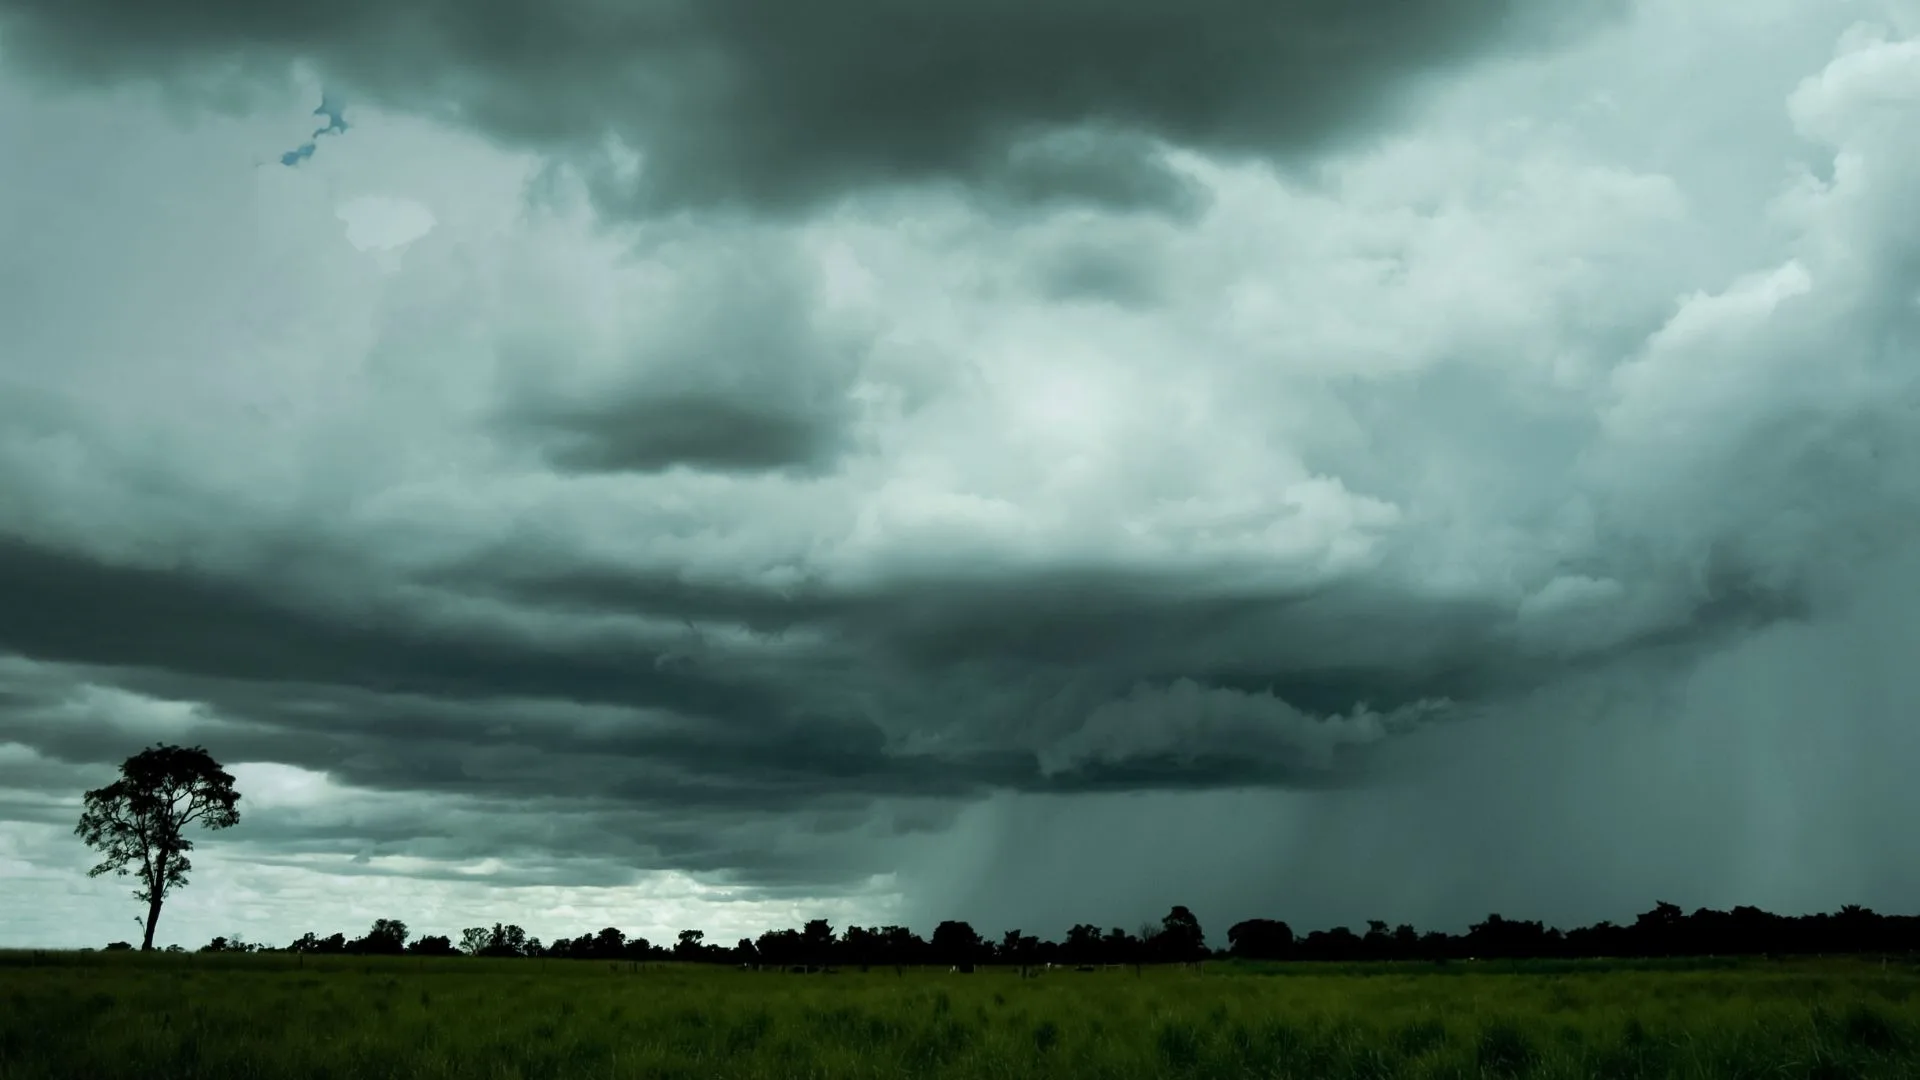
(508, 940)
(1082, 945)
(1658, 931)
(781, 948)
(432, 945)
(955, 942)
(119, 946)
(1261, 939)
(388, 937)
(138, 822)
(312, 943)
(816, 939)
(609, 944)
(1018, 948)
(689, 946)
(1378, 940)
(473, 940)
(1338, 943)
(1180, 938)
(233, 944)
(900, 946)
(861, 945)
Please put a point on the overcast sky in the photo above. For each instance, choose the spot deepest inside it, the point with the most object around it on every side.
(714, 466)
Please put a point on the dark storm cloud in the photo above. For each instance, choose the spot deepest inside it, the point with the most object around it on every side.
(59, 605)
(771, 104)
(733, 373)
(931, 693)
(650, 435)
(1324, 647)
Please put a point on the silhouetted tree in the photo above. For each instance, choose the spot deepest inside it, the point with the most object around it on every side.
(860, 945)
(1339, 943)
(387, 938)
(901, 946)
(817, 939)
(955, 943)
(432, 945)
(309, 942)
(1180, 939)
(1663, 931)
(1261, 939)
(509, 940)
(234, 944)
(1082, 945)
(1658, 930)
(138, 822)
(609, 944)
(782, 948)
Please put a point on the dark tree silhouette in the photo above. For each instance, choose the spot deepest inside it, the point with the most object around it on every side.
(1261, 939)
(432, 945)
(138, 822)
(1082, 945)
(860, 945)
(817, 943)
(387, 938)
(955, 943)
(1180, 938)
(782, 948)
(1664, 931)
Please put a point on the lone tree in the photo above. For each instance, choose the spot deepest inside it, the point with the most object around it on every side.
(139, 821)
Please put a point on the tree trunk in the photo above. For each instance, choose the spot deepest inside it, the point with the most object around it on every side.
(153, 917)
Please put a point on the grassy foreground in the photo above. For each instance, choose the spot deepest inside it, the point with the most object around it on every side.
(108, 1017)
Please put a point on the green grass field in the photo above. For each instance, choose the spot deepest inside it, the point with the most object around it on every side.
(107, 1016)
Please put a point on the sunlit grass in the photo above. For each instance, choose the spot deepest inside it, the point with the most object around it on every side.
(117, 1016)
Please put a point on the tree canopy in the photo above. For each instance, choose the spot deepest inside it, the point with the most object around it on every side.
(138, 823)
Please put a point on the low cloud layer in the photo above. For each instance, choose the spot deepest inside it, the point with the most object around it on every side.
(1475, 499)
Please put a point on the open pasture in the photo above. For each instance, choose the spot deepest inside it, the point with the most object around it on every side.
(270, 1017)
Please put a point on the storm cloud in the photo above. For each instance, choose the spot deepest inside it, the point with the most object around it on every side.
(1298, 460)
(760, 103)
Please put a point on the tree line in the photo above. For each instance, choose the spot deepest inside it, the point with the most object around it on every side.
(138, 824)
(1663, 931)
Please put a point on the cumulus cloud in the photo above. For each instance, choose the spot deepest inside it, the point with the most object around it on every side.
(1414, 506)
